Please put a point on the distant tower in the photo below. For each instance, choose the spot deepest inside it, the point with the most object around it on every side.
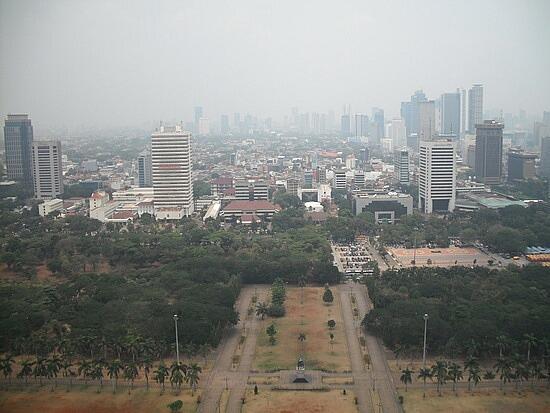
(172, 166)
(145, 174)
(475, 107)
(378, 121)
(488, 157)
(437, 181)
(426, 120)
(401, 166)
(47, 169)
(18, 137)
(450, 114)
(198, 116)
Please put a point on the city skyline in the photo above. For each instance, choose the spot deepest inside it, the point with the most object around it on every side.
(162, 61)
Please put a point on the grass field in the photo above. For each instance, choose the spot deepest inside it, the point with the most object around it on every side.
(89, 401)
(299, 401)
(483, 401)
(311, 318)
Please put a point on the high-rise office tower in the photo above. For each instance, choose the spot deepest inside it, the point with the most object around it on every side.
(475, 107)
(345, 126)
(145, 175)
(521, 165)
(409, 111)
(401, 166)
(172, 166)
(398, 133)
(360, 125)
(378, 123)
(198, 116)
(315, 123)
(224, 124)
(426, 120)
(47, 169)
(463, 113)
(546, 117)
(18, 136)
(450, 114)
(544, 167)
(489, 152)
(437, 181)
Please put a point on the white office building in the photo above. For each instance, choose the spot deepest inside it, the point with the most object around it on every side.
(47, 169)
(437, 181)
(171, 159)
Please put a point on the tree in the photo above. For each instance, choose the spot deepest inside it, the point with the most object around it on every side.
(261, 310)
(146, 364)
(97, 372)
(331, 341)
(53, 366)
(113, 370)
(6, 366)
(327, 296)
(160, 375)
(175, 406)
(489, 375)
(406, 377)
(130, 374)
(67, 371)
(331, 324)
(178, 372)
(271, 331)
(504, 367)
(85, 370)
(531, 341)
(471, 364)
(193, 376)
(439, 371)
(502, 344)
(474, 375)
(26, 370)
(455, 374)
(424, 374)
(302, 339)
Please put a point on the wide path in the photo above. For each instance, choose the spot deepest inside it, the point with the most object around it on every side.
(380, 371)
(221, 374)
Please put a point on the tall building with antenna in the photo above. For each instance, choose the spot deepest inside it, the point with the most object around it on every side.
(450, 114)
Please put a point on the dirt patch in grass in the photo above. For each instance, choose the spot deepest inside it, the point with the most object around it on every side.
(480, 401)
(89, 401)
(299, 401)
(338, 380)
(263, 380)
(311, 318)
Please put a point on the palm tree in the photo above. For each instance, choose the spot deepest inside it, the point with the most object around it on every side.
(261, 310)
(130, 374)
(26, 370)
(67, 372)
(302, 284)
(301, 339)
(97, 372)
(6, 367)
(455, 374)
(470, 364)
(531, 341)
(439, 371)
(489, 375)
(178, 372)
(113, 370)
(53, 366)
(192, 377)
(406, 377)
(473, 376)
(160, 375)
(147, 364)
(504, 367)
(40, 369)
(84, 370)
(472, 348)
(424, 374)
(502, 345)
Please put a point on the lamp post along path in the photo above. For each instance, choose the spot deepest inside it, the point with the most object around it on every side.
(425, 330)
(177, 341)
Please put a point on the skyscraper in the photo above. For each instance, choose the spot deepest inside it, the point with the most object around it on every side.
(426, 120)
(450, 114)
(145, 175)
(47, 169)
(378, 123)
(475, 107)
(544, 168)
(488, 158)
(198, 116)
(521, 165)
(398, 133)
(360, 125)
(18, 137)
(224, 124)
(437, 181)
(345, 126)
(401, 166)
(172, 169)
(409, 111)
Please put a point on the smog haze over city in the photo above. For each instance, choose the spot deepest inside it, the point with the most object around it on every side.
(118, 63)
(274, 207)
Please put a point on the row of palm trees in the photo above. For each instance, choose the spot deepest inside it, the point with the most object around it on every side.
(509, 368)
(50, 368)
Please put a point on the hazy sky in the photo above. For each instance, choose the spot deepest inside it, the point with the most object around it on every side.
(111, 63)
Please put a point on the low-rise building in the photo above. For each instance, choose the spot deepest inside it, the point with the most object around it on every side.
(49, 206)
(387, 207)
(236, 209)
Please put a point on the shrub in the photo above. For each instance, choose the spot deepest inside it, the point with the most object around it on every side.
(276, 310)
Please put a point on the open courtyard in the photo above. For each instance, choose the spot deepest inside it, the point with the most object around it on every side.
(439, 257)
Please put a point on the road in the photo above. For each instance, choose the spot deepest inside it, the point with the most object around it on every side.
(222, 374)
(375, 255)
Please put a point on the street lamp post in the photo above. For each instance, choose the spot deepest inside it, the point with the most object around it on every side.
(425, 330)
(177, 342)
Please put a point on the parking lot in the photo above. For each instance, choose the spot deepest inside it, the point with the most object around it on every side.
(440, 257)
(351, 258)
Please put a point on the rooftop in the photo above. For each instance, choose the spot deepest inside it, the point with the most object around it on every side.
(251, 206)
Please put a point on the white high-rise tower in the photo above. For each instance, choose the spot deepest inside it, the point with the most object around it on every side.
(47, 169)
(171, 159)
(437, 181)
